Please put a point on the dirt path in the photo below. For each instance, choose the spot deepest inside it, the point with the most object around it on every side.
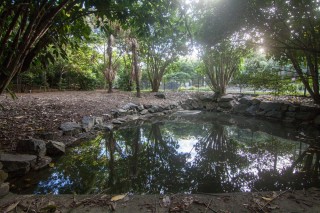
(42, 112)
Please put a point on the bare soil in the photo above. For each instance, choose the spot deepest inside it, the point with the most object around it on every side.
(32, 113)
(285, 201)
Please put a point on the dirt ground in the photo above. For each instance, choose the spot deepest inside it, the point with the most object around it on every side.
(285, 201)
(32, 113)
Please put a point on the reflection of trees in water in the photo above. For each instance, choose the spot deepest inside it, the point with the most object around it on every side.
(218, 165)
(304, 172)
(147, 160)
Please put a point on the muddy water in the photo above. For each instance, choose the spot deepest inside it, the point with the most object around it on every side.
(189, 152)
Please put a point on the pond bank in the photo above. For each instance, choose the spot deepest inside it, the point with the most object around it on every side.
(263, 107)
(286, 201)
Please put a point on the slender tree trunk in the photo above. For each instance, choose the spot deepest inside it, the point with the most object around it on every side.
(109, 69)
(136, 67)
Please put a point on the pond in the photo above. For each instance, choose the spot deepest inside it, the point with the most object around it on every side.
(188, 152)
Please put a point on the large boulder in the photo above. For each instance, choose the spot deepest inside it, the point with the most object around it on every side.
(246, 100)
(17, 164)
(227, 104)
(55, 148)
(70, 128)
(208, 97)
(31, 146)
(226, 98)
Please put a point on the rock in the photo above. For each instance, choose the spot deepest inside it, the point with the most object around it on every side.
(274, 114)
(140, 108)
(144, 112)
(210, 106)
(3, 176)
(1, 165)
(208, 97)
(226, 98)
(130, 106)
(270, 106)
(246, 100)
(195, 105)
(160, 95)
(284, 107)
(132, 117)
(227, 105)
(107, 116)
(290, 114)
(173, 106)
(115, 113)
(240, 108)
(88, 123)
(70, 128)
(41, 163)
(293, 108)
(4, 189)
(31, 146)
(155, 109)
(252, 110)
(186, 106)
(17, 164)
(317, 120)
(256, 101)
(55, 148)
(117, 122)
(107, 127)
(46, 135)
(305, 116)
(147, 106)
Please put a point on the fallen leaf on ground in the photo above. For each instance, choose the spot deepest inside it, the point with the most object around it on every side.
(118, 197)
(267, 198)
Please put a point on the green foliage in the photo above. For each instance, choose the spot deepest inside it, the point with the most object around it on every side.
(221, 62)
(124, 81)
(261, 73)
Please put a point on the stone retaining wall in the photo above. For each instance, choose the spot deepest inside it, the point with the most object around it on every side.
(250, 106)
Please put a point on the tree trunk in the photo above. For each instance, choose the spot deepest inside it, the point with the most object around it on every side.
(110, 85)
(155, 85)
(136, 67)
(109, 69)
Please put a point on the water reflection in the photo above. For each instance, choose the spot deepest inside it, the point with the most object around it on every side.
(179, 156)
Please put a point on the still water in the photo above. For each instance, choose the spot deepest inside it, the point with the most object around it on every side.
(188, 152)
